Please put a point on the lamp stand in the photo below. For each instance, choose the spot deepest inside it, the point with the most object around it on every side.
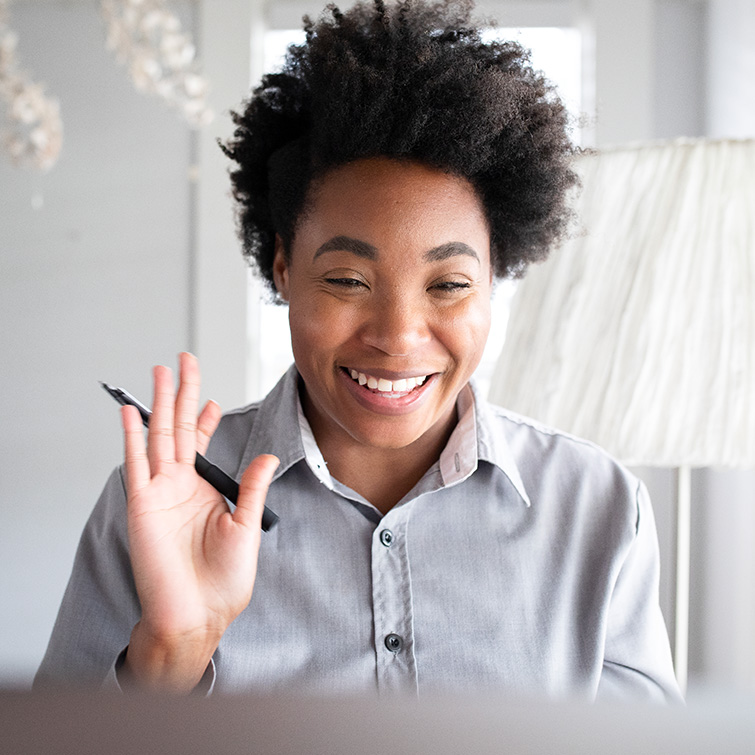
(681, 575)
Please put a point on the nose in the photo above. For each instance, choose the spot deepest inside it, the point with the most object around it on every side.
(395, 324)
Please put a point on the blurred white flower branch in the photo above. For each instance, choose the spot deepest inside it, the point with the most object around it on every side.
(31, 131)
(145, 36)
(160, 57)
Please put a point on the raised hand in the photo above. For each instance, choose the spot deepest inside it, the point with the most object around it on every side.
(194, 562)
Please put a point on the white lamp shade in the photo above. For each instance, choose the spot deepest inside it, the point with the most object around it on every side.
(639, 334)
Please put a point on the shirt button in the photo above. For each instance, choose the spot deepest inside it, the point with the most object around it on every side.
(386, 538)
(394, 643)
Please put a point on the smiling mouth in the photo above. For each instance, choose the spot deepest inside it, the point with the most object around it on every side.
(387, 387)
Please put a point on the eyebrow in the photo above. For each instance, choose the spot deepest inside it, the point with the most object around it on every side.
(451, 249)
(348, 244)
(370, 252)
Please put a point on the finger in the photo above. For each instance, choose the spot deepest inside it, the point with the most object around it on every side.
(207, 424)
(137, 465)
(160, 444)
(253, 491)
(186, 409)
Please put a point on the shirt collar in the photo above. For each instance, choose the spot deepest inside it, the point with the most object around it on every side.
(477, 437)
(281, 428)
(492, 445)
(312, 453)
(276, 426)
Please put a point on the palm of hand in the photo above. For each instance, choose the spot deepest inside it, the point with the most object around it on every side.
(194, 566)
(194, 562)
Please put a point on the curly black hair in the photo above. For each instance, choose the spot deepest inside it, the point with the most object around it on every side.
(410, 80)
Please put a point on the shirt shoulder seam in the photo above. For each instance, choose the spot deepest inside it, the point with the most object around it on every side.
(520, 419)
(249, 408)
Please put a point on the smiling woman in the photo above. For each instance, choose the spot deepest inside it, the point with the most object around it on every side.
(392, 170)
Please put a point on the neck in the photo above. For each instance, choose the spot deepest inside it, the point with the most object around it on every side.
(383, 476)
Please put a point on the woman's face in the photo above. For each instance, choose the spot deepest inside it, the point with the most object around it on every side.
(389, 285)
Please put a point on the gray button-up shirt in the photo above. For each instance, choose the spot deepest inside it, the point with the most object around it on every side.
(524, 560)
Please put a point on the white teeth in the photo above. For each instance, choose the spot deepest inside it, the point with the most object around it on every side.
(387, 386)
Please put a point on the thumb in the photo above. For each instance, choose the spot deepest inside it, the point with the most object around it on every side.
(253, 490)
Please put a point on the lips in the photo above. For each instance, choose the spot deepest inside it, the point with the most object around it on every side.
(393, 402)
(383, 385)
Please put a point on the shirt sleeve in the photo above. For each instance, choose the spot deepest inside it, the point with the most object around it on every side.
(113, 682)
(100, 605)
(637, 659)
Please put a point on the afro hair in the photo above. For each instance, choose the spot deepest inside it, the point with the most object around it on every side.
(408, 80)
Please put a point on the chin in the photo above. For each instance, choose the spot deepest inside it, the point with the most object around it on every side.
(391, 434)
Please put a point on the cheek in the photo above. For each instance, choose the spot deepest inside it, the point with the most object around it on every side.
(466, 332)
(316, 326)
(304, 334)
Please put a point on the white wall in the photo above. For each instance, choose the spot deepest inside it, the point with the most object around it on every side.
(680, 54)
(731, 69)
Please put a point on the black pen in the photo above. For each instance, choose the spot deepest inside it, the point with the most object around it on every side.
(223, 483)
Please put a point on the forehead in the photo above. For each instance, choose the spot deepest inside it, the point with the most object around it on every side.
(387, 203)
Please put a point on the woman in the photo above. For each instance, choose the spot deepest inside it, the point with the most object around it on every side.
(385, 178)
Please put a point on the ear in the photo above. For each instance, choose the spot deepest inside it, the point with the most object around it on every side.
(280, 269)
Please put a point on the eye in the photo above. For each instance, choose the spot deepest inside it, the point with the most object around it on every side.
(345, 282)
(450, 286)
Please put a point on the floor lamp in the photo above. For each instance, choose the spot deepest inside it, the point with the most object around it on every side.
(639, 334)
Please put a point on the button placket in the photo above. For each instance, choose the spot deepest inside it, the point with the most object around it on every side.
(392, 606)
